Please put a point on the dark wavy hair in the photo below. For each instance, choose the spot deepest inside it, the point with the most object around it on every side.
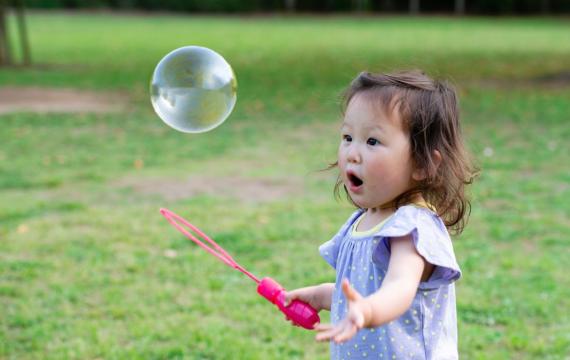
(429, 111)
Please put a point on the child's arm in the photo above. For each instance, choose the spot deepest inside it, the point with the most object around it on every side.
(318, 296)
(389, 302)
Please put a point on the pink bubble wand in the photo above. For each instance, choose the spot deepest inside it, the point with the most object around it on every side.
(299, 312)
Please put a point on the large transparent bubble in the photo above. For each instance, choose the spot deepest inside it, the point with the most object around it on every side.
(193, 89)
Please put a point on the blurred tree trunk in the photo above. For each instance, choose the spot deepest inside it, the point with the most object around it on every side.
(459, 7)
(388, 5)
(290, 5)
(545, 6)
(5, 57)
(360, 5)
(414, 7)
(5, 48)
(24, 42)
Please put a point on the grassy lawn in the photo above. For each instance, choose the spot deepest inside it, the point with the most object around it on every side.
(90, 270)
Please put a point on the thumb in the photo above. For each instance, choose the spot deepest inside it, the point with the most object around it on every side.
(290, 296)
(349, 292)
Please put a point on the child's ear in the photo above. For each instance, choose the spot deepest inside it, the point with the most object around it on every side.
(420, 173)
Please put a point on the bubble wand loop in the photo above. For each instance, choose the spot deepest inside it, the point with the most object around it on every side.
(299, 312)
(219, 252)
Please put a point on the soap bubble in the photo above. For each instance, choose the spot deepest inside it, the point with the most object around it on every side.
(193, 89)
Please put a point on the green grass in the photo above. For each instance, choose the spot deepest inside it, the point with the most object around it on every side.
(85, 257)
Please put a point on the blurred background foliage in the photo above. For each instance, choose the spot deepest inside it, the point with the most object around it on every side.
(502, 7)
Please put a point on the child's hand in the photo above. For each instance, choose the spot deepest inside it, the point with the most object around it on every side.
(311, 295)
(355, 318)
(318, 296)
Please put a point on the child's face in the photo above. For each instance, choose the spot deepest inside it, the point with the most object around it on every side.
(374, 154)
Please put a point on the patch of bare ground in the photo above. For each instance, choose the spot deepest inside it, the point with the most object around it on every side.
(48, 100)
(248, 190)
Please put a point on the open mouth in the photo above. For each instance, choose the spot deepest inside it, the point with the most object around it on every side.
(354, 180)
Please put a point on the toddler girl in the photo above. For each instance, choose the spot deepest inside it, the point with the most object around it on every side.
(403, 164)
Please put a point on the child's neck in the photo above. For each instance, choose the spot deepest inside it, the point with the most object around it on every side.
(376, 215)
(373, 217)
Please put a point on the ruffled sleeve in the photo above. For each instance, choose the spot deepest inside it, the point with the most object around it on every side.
(430, 238)
(329, 250)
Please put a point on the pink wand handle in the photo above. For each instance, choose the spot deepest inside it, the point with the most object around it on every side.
(299, 312)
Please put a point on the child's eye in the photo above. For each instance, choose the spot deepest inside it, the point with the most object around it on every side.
(347, 138)
(372, 141)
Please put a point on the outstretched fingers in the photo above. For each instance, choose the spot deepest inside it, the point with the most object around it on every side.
(340, 333)
(348, 332)
(326, 332)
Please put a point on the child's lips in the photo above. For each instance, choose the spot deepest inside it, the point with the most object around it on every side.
(354, 182)
(355, 189)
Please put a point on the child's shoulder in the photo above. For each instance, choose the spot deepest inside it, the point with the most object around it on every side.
(415, 211)
(414, 217)
(430, 238)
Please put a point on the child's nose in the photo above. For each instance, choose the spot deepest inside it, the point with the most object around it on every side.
(353, 155)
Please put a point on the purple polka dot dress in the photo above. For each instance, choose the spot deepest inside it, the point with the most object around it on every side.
(428, 329)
